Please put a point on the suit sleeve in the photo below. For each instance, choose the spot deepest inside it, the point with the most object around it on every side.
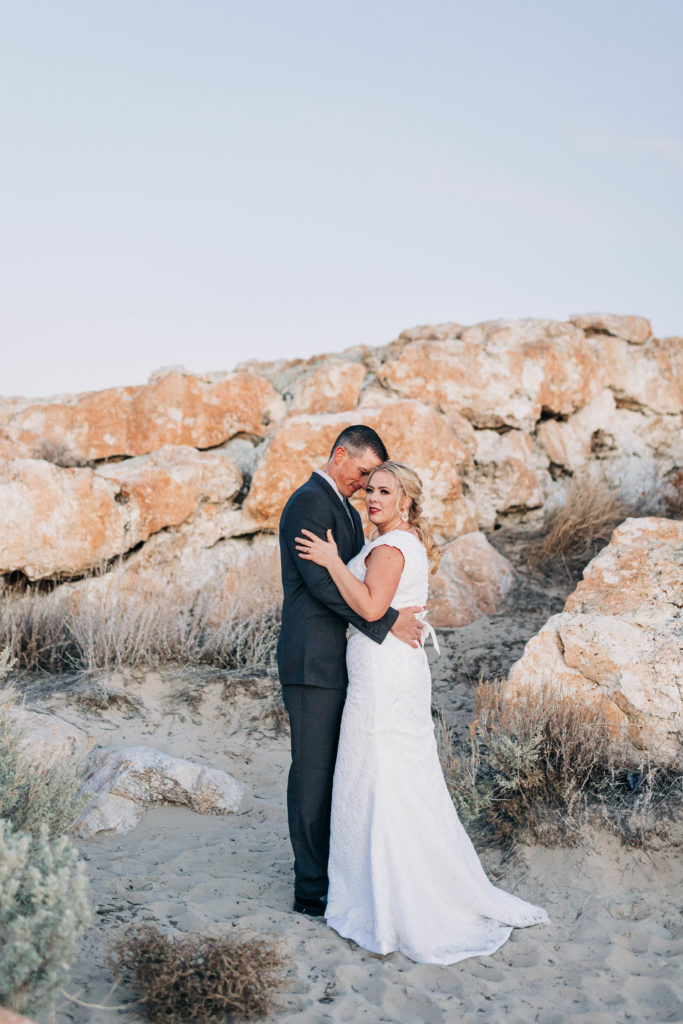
(304, 514)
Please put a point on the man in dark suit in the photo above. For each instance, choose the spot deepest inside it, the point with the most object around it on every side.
(312, 649)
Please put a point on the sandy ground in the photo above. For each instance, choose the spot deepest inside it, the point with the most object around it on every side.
(611, 954)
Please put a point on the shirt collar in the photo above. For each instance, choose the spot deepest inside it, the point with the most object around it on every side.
(332, 484)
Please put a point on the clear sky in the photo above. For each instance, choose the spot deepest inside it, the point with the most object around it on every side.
(204, 181)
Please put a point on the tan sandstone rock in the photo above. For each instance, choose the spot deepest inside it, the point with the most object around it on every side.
(332, 387)
(505, 475)
(635, 329)
(432, 332)
(569, 443)
(122, 784)
(500, 373)
(472, 580)
(411, 431)
(175, 408)
(620, 637)
(63, 522)
(165, 486)
(59, 521)
(642, 376)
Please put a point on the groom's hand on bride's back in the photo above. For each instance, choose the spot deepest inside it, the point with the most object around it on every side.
(407, 627)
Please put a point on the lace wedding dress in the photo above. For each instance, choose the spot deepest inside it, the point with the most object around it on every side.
(403, 872)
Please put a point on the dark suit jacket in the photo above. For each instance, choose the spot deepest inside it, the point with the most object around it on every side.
(312, 644)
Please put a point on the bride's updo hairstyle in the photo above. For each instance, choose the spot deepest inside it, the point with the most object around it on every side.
(410, 485)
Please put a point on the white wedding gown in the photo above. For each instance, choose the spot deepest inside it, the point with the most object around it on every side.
(403, 872)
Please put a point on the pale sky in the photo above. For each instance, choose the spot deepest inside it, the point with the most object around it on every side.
(194, 182)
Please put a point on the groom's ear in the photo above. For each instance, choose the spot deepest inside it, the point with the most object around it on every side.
(339, 454)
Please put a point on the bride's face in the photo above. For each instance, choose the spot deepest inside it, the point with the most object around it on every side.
(382, 501)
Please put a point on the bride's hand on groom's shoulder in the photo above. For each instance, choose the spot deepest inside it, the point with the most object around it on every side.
(314, 549)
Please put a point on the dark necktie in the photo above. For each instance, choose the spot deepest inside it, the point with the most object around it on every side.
(347, 509)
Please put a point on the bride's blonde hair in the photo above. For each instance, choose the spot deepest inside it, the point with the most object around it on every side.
(410, 485)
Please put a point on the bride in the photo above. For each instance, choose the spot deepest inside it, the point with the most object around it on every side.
(403, 872)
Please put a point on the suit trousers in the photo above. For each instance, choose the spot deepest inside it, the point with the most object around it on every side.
(315, 717)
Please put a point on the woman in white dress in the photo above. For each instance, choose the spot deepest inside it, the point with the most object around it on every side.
(403, 872)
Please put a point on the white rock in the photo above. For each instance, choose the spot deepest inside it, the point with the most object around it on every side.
(620, 639)
(124, 783)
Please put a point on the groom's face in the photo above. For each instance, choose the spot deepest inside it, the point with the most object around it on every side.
(351, 471)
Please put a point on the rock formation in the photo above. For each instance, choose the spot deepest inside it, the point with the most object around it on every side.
(171, 482)
(122, 784)
(620, 639)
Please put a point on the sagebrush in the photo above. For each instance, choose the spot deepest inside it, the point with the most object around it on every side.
(573, 533)
(33, 793)
(544, 764)
(196, 979)
(114, 625)
(43, 912)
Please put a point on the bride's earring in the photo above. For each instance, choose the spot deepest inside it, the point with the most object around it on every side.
(404, 515)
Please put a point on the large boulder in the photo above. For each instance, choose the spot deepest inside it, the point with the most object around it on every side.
(65, 522)
(635, 329)
(619, 639)
(175, 407)
(500, 373)
(122, 784)
(59, 521)
(642, 376)
(332, 387)
(413, 432)
(166, 486)
(505, 475)
(471, 581)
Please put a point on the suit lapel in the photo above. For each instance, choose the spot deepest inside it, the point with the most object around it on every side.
(349, 525)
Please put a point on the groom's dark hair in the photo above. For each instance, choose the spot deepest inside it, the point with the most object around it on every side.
(358, 438)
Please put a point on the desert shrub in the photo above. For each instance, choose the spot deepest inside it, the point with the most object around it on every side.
(33, 795)
(43, 911)
(543, 765)
(574, 532)
(200, 978)
(112, 627)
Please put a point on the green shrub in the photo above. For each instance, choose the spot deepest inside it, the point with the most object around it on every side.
(43, 911)
(33, 794)
(545, 764)
(196, 979)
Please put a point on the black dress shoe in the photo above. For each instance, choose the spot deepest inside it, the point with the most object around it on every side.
(312, 907)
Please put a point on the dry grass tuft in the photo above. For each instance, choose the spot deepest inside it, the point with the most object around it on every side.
(545, 765)
(585, 522)
(111, 628)
(196, 979)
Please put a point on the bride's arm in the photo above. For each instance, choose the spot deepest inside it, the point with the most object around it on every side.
(370, 599)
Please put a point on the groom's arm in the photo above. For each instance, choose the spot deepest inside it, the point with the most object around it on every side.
(303, 515)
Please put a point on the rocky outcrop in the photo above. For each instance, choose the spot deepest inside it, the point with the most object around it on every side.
(122, 784)
(64, 522)
(175, 407)
(620, 639)
(501, 374)
(495, 417)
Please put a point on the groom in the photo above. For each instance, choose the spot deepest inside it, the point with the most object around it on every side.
(311, 650)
